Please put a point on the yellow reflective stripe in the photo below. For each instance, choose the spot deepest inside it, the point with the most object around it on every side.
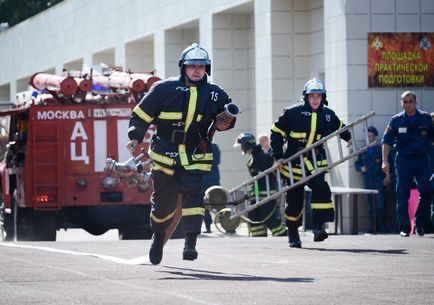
(322, 163)
(340, 124)
(199, 118)
(199, 166)
(170, 115)
(257, 228)
(182, 154)
(322, 206)
(297, 135)
(161, 158)
(309, 164)
(143, 115)
(203, 157)
(160, 220)
(193, 211)
(284, 172)
(278, 130)
(294, 218)
(313, 122)
(191, 107)
(279, 230)
(163, 169)
(297, 170)
(261, 233)
(318, 137)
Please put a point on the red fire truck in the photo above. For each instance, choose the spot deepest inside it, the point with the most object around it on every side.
(52, 176)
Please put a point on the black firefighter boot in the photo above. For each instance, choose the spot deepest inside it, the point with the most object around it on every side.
(319, 234)
(190, 252)
(294, 238)
(156, 251)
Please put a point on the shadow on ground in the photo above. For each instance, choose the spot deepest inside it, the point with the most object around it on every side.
(362, 251)
(193, 274)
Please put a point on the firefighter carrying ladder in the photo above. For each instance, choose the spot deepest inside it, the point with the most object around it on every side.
(239, 198)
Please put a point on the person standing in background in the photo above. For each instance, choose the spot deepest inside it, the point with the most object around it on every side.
(369, 164)
(268, 214)
(410, 132)
(264, 141)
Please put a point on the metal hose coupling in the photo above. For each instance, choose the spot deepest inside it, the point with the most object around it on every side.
(133, 171)
(228, 115)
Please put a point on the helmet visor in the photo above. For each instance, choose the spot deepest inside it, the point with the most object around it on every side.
(197, 62)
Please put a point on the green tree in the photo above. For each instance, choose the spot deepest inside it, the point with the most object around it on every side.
(15, 11)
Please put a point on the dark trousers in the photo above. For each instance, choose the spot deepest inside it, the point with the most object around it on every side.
(267, 214)
(322, 208)
(408, 169)
(376, 183)
(165, 196)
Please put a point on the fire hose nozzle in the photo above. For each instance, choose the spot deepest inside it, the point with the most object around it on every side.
(133, 171)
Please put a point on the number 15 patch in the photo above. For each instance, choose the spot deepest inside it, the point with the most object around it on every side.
(214, 96)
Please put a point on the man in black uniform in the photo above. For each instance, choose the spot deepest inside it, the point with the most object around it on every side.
(185, 110)
(267, 215)
(300, 126)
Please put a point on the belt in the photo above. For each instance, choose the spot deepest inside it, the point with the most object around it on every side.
(178, 136)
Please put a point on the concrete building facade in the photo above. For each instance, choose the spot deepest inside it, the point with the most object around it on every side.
(262, 51)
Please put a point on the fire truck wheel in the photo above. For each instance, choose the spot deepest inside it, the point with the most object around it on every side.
(44, 225)
(96, 230)
(32, 225)
(6, 225)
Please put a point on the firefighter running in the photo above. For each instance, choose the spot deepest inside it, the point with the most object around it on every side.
(186, 111)
(267, 215)
(300, 126)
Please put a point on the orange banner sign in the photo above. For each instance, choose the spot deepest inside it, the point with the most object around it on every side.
(400, 59)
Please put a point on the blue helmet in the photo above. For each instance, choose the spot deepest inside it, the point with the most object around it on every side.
(195, 55)
(246, 141)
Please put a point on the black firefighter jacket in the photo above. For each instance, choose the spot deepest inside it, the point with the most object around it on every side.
(183, 116)
(299, 126)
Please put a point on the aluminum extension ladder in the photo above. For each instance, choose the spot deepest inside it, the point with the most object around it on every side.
(240, 201)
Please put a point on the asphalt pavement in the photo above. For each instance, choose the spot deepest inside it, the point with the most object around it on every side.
(231, 269)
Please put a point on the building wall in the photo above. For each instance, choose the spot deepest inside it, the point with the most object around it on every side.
(262, 51)
(346, 28)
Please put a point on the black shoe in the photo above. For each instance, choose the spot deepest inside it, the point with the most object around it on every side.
(420, 231)
(320, 235)
(190, 253)
(294, 238)
(295, 244)
(156, 251)
(404, 234)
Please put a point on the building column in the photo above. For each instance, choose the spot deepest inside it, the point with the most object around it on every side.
(263, 64)
(274, 56)
(159, 53)
(120, 56)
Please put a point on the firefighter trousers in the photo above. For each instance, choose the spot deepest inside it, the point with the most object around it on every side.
(266, 216)
(165, 196)
(321, 204)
